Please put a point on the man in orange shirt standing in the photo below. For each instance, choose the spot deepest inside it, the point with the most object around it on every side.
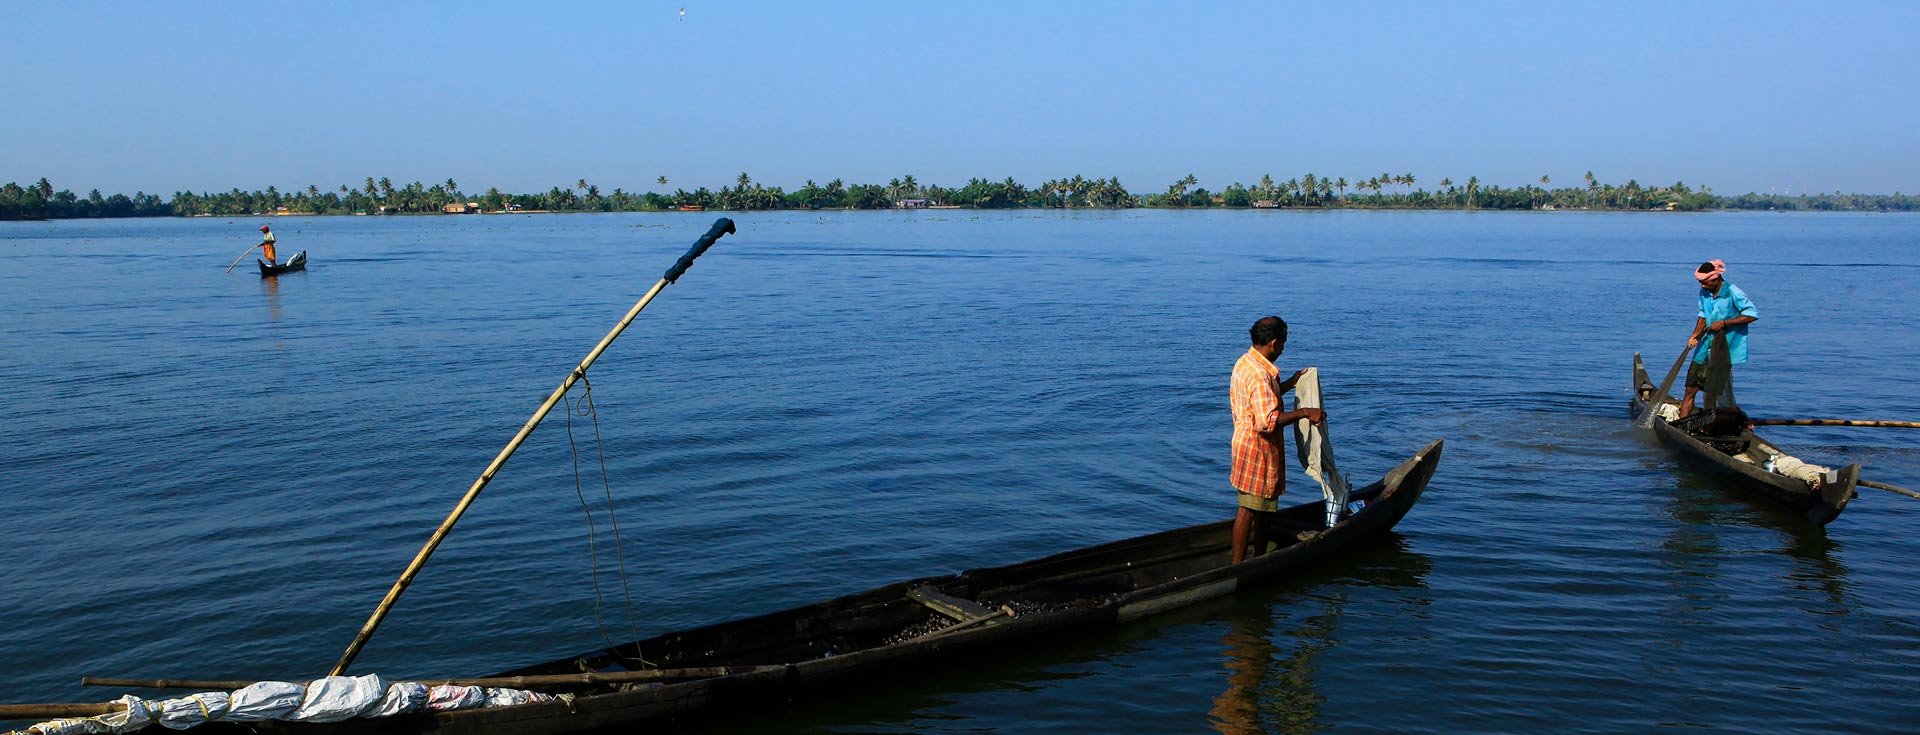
(266, 245)
(1259, 465)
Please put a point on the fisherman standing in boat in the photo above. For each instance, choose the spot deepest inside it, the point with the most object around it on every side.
(266, 245)
(1724, 309)
(1259, 465)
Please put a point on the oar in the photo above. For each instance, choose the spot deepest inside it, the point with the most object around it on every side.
(720, 227)
(236, 261)
(1837, 422)
(1645, 421)
(1888, 488)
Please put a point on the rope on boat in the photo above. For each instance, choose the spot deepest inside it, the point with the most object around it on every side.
(584, 406)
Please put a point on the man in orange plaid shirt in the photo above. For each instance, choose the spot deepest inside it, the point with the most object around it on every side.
(1259, 467)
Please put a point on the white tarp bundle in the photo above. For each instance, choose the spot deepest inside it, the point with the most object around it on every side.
(401, 698)
(328, 699)
(336, 698)
(1316, 449)
(265, 700)
(194, 709)
(448, 697)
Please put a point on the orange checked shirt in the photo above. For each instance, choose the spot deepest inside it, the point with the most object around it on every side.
(1258, 468)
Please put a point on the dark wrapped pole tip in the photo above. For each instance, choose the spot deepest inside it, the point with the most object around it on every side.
(722, 226)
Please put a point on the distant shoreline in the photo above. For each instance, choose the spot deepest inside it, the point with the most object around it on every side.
(380, 197)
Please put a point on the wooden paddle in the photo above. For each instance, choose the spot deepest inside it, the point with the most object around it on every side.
(1888, 488)
(1645, 421)
(1837, 422)
(236, 261)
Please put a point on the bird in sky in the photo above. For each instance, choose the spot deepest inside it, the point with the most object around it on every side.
(683, 14)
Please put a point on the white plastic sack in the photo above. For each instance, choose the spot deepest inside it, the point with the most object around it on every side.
(193, 709)
(264, 700)
(447, 697)
(401, 697)
(69, 726)
(1316, 448)
(510, 697)
(1812, 474)
(336, 698)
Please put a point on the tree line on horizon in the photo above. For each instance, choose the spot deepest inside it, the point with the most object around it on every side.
(1384, 191)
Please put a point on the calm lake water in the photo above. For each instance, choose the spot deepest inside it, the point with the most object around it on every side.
(218, 476)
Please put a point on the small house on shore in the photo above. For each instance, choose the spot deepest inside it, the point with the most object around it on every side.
(460, 208)
(911, 204)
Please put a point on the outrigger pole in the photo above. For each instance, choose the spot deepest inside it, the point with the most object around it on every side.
(722, 226)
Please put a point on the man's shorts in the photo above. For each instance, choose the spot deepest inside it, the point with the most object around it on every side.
(1254, 502)
(1696, 375)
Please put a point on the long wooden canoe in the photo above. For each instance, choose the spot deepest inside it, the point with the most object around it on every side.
(902, 628)
(296, 263)
(1721, 443)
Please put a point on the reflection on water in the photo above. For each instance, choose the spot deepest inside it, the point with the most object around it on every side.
(1270, 687)
(271, 285)
(1708, 514)
(1271, 690)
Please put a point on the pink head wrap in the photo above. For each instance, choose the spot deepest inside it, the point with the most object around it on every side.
(1719, 270)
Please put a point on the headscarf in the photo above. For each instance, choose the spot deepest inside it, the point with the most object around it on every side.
(1719, 270)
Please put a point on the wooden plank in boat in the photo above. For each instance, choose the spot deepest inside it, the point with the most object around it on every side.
(948, 605)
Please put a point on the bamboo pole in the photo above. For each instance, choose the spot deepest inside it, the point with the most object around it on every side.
(720, 227)
(50, 711)
(1837, 422)
(236, 261)
(1888, 488)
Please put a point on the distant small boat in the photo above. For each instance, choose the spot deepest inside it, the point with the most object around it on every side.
(296, 263)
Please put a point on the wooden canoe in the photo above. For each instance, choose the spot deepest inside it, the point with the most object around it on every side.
(907, 627)
(296, 263)
(1737, 454)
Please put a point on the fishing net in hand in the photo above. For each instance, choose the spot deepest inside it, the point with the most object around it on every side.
(1716, 382)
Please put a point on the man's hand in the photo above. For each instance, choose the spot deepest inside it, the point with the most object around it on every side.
(1716, 326)
(1289, 383)
(1693, 341)
(1315, 416)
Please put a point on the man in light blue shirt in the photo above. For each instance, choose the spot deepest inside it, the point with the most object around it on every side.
(1724, 309)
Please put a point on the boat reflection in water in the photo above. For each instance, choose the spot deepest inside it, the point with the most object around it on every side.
(1270, 685)
(1711, 525)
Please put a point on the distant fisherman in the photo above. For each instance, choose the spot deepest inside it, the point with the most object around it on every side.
(1724, 308)
(266, 245)
(1259, 466)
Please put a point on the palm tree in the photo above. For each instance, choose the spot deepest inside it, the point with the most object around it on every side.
(1473, 185)
(1407, 178)
(744, 180)
(1341, 184)
(581, 184)
(453, 189)
(661, 181)
(370, 188)
(911, 187)
(1593, 186)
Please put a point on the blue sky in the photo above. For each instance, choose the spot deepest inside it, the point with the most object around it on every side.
(206, 96)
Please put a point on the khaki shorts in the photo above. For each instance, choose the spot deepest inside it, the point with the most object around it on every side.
(1256, 503)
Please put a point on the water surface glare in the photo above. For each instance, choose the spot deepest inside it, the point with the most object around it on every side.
(218, 476)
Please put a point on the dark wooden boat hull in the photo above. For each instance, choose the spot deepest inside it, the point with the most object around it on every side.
(296, 263)
(1820, 506)
(877, 632)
